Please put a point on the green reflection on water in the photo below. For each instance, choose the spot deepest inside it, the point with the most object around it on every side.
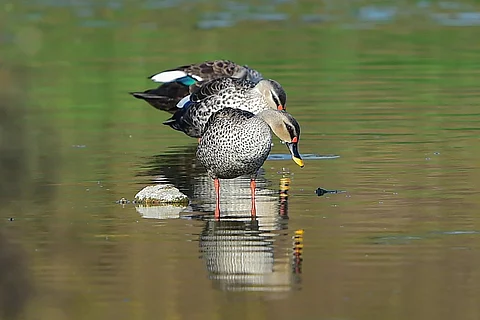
(385, 99)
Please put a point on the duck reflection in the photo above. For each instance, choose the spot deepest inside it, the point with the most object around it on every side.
(241, 253)
(177, 166)
(240, 256)
(180, 168)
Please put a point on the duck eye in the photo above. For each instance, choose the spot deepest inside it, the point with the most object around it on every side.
(276, 100)
(291, 131)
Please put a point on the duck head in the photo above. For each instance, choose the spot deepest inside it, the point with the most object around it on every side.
(273, 93)
(287, 129)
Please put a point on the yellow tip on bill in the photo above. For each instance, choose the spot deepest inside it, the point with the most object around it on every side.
(298, 161)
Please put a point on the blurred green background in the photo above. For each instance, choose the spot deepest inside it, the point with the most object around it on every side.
(390, 86)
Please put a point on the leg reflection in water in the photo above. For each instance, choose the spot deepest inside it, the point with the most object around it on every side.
(254, 254)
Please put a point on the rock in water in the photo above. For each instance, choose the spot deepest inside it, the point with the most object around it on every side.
(161, 193)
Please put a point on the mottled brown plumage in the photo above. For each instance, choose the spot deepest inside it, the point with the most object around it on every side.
(166, 96)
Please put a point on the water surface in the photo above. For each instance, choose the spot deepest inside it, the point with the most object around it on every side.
(391, 89)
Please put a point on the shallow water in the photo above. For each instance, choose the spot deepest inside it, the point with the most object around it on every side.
(387, 98)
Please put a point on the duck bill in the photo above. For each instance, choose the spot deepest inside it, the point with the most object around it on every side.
(293, 147)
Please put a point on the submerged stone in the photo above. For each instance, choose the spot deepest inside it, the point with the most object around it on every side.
(161, 194)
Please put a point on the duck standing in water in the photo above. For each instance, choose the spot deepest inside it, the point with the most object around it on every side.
(181, 81)
(236, 142)
(197, 108)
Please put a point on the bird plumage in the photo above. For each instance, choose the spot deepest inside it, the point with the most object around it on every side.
(181, 81)
(222, 93)
(237, 142)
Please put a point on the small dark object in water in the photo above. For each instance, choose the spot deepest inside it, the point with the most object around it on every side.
(11, 219)
(122, 201)
(320, 191)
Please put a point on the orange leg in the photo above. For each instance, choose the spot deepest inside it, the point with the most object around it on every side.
(216, 182)
(253, 185)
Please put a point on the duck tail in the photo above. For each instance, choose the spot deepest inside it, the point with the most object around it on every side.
(145, 95)
(165, 97)
(157, 101)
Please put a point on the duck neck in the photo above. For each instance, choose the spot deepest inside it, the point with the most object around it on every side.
(272, 118)
(276, 121)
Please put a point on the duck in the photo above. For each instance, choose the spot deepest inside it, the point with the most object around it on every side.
(237, 142)
(214, 95)
(183, 80)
